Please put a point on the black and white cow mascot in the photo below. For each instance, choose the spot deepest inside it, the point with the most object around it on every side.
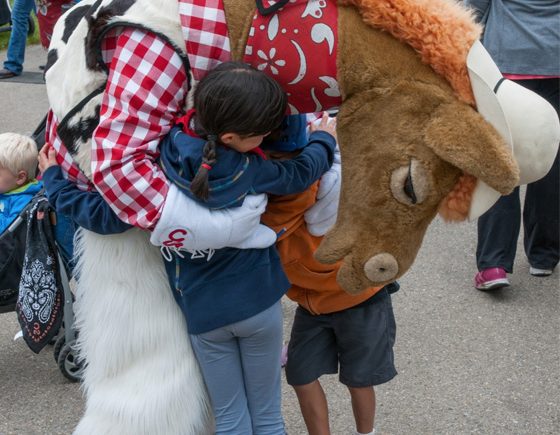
(141, 375)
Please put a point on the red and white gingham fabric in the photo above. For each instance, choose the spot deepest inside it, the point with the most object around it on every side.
(205, 31)
(145, 91)
(63, 157)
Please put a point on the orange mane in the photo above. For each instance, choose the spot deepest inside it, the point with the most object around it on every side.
(441, 31)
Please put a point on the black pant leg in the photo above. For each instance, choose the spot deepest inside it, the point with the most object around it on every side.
(498, 230)
(541, 212)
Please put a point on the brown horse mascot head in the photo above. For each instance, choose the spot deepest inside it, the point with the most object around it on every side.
(411, 139)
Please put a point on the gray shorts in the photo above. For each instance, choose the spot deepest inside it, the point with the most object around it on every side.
(360, 339)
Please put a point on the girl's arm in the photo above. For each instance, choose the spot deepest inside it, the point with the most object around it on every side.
(296, 175)
(87, 209)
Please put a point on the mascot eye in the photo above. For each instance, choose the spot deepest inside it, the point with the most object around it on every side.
(410, 184)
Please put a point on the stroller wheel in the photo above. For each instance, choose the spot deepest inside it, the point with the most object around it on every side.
(69, 364)
(58, 345)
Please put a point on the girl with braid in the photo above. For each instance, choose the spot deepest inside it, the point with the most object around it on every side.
(231, 297)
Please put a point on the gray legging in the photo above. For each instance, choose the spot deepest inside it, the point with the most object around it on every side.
(240, 364)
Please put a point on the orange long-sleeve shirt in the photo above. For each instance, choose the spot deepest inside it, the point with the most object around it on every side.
(314, 284)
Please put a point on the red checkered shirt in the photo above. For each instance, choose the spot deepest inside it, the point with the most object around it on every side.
(145, 92)
(205, 31)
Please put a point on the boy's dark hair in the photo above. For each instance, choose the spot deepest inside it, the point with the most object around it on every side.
(234, 98)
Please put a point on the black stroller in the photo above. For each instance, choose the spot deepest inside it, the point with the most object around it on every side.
(6, 18)
(13, 244)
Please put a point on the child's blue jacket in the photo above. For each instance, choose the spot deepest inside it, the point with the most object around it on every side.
(236, 175)
(13, 202)
(87, 209)
(216, 288)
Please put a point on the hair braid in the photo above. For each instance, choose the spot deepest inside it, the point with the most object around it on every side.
(199, 184)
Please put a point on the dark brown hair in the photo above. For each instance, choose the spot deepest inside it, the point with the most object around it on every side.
(234, 98)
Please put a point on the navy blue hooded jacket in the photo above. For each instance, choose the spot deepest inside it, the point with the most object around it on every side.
(215, 288)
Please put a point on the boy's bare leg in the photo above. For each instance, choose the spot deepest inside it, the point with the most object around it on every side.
(314, 408)
(363, 406)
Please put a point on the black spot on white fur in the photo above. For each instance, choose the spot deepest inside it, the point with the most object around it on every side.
(116, 7)
(72, 19)
(52, 57)
(97, 27)
(78, 132)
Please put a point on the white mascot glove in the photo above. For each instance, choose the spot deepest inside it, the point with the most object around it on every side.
(322, 215)
(187, 225)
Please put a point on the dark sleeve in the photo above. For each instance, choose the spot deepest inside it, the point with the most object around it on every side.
(87, 209)
(284, 177)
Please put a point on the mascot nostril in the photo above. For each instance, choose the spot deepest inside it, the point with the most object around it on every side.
(381, 267)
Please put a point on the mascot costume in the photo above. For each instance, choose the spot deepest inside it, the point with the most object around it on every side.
(426, 123)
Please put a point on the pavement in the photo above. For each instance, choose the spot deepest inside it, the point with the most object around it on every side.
(469, 362)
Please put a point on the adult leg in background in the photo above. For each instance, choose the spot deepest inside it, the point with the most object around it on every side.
(498, 230)
(18, 36)
(542, 200)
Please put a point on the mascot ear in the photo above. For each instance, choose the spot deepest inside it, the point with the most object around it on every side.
(460, 136)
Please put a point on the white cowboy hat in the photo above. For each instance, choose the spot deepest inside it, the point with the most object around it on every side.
(526, 121)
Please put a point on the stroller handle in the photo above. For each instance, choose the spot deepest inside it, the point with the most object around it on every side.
(39, 196)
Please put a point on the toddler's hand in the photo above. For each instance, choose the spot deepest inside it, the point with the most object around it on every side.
(327, 124)
(47, 157)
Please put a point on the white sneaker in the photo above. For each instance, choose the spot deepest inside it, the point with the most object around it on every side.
(540, 272)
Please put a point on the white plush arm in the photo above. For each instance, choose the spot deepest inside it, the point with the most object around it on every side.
(322, 216)
(184, 224)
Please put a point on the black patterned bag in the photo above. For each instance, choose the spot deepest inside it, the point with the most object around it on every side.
(41, 297)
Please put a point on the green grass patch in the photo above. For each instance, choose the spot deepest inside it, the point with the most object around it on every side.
(32, 39)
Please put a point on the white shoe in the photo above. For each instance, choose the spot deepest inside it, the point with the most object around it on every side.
(540, 272)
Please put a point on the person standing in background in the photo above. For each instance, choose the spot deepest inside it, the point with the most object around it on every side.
(523, 37)
(13, 65)
(48, 13)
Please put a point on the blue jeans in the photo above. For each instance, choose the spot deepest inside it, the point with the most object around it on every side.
(18, 36)
(240, 364)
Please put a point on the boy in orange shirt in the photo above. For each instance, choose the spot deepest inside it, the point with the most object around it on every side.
(331, 327)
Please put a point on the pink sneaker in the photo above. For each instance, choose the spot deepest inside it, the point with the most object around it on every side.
(491, 279)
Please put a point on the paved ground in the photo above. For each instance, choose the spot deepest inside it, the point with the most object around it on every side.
(468, 362)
